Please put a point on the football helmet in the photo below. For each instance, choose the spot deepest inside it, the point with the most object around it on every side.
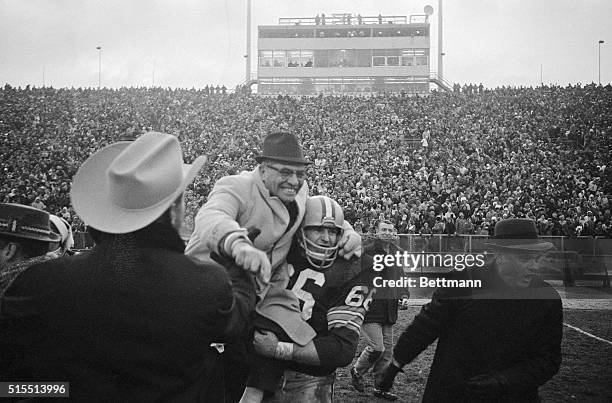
(321, 211)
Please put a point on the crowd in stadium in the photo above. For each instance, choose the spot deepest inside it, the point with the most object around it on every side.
(445, 163)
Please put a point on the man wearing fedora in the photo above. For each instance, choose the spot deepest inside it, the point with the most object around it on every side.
(133, 319)
(269, 200)
(25, 236)
(495, 343)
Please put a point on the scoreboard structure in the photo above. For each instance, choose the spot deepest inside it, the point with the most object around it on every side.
(344, 54)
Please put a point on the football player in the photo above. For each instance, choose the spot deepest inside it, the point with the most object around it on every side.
(332, 295)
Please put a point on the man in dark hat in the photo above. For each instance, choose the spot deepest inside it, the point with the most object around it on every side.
(269, 200)
(495, 343)
(25, 236)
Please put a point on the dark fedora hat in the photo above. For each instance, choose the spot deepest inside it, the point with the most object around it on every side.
(282, 147)
(519, 234)
(26, 222)
(284, 309)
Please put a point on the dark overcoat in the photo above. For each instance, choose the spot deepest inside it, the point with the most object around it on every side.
(132, 320)
(513, 334)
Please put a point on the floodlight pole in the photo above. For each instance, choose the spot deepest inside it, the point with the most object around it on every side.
(440, 50)
(247, 74)
(99, 65)
(599, 59)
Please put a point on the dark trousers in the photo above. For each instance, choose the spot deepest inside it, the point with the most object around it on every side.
(236, 368)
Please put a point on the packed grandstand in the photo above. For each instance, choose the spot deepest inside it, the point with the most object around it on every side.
(451, 163)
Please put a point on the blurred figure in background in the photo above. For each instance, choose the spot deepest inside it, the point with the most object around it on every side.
(378, 323)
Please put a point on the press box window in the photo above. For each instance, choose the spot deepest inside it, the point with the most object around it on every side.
(393, 61)
(279, 58)
(293, 58)
(306, 58)
(265, 58)
(378, 61)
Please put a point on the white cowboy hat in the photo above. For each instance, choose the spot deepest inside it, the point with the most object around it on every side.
(127, 185)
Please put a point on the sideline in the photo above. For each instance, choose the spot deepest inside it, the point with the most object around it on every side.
(587, 303)
(587, 333)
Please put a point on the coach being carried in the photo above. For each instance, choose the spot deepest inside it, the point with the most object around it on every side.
(269, 199)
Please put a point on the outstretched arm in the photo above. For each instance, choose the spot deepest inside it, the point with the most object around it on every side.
(424, 329)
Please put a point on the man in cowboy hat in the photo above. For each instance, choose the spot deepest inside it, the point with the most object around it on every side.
(133, 319)
(25, 236)
(498, 343)
(269, 200)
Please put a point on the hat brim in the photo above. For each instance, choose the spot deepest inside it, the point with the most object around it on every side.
(283, 309)
(91, 199)
(52, 237)
(520, 245)
(296, 161)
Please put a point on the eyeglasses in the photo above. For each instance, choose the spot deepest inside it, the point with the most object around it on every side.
(286, 173)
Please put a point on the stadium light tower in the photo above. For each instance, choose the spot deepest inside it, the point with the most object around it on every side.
(247, 75)
(440, 50)
(599, 59)
(99, 64)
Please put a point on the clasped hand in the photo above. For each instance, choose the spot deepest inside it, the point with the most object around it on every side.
(265, 343)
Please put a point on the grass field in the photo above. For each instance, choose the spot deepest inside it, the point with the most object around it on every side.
(585, 374)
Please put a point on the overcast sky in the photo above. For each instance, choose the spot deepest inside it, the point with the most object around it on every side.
(191, 43)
